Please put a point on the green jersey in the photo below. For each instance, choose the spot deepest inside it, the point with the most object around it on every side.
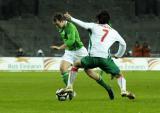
(71, 37)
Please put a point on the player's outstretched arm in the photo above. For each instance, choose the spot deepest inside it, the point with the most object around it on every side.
(79, 22)
(58, 47)
(121, 50)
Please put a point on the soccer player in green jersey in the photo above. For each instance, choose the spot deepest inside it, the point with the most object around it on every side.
(74, 50)
(102, 38)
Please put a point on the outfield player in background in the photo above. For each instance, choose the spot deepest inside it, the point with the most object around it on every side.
(74, 49)
(102, 38)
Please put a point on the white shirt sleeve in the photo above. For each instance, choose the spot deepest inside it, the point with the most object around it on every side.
(121, 50)
(82, 24)
(122, 47)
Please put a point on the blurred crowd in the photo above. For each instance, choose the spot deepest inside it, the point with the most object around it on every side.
(21, 53)
(140, 50)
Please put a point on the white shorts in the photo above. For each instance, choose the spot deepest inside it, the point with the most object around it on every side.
(72, 56)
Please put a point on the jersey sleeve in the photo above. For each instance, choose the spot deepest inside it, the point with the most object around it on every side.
(71, 37)
(122, 46)
(82, 24)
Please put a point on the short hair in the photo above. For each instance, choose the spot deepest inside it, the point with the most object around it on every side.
(103, 17)
(59, 17)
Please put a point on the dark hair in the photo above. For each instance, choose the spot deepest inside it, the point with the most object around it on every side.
(59, 17)
(103, 17)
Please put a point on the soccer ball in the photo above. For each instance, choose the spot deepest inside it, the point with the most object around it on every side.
(61, 97)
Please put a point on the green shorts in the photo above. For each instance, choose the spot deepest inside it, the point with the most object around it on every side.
(106, 64)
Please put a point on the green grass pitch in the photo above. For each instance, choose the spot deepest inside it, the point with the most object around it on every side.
(34, 92)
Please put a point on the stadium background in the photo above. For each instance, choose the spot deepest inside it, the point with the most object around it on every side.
(27, 24)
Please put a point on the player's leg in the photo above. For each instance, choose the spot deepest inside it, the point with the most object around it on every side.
(90, 62)
(71, 79)
(85, 63)
(122, 84)
(78, 55)
(100, 81)
(64, 66)
(64, 72)
(73, 74)
(110, 67)
(67, 61)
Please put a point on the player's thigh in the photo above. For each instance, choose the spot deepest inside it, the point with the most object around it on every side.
(88, 62)
(67, 61)
(64, 66)
(109, 66)
(68, 56)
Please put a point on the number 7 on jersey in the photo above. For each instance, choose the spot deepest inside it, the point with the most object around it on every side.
(105, 34)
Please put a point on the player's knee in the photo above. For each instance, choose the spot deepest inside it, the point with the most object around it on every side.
(63, 69)
(77, 64)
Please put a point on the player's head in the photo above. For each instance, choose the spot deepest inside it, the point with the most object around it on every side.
(103, 17)
(59, 20)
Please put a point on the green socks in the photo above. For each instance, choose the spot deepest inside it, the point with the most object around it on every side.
(65, 77)
(103, 84)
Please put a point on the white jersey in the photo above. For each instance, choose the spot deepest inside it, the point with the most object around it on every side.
(102, 38)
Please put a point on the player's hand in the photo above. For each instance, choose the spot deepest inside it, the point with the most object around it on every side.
(55, 47)
(67, 15)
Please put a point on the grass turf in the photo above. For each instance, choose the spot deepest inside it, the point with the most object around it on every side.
(34, 92)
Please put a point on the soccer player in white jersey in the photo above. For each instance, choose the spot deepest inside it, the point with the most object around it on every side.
(102, 38)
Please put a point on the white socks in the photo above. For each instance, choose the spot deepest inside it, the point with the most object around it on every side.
(122, 83)
(72, 77)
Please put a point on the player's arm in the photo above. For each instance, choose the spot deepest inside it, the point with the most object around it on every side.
(121, 51)
(122, 47)
(69, 42)
(71, 37)
(79, 22)
(63, 46)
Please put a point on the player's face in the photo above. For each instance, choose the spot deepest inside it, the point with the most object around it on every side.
(59, 24)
